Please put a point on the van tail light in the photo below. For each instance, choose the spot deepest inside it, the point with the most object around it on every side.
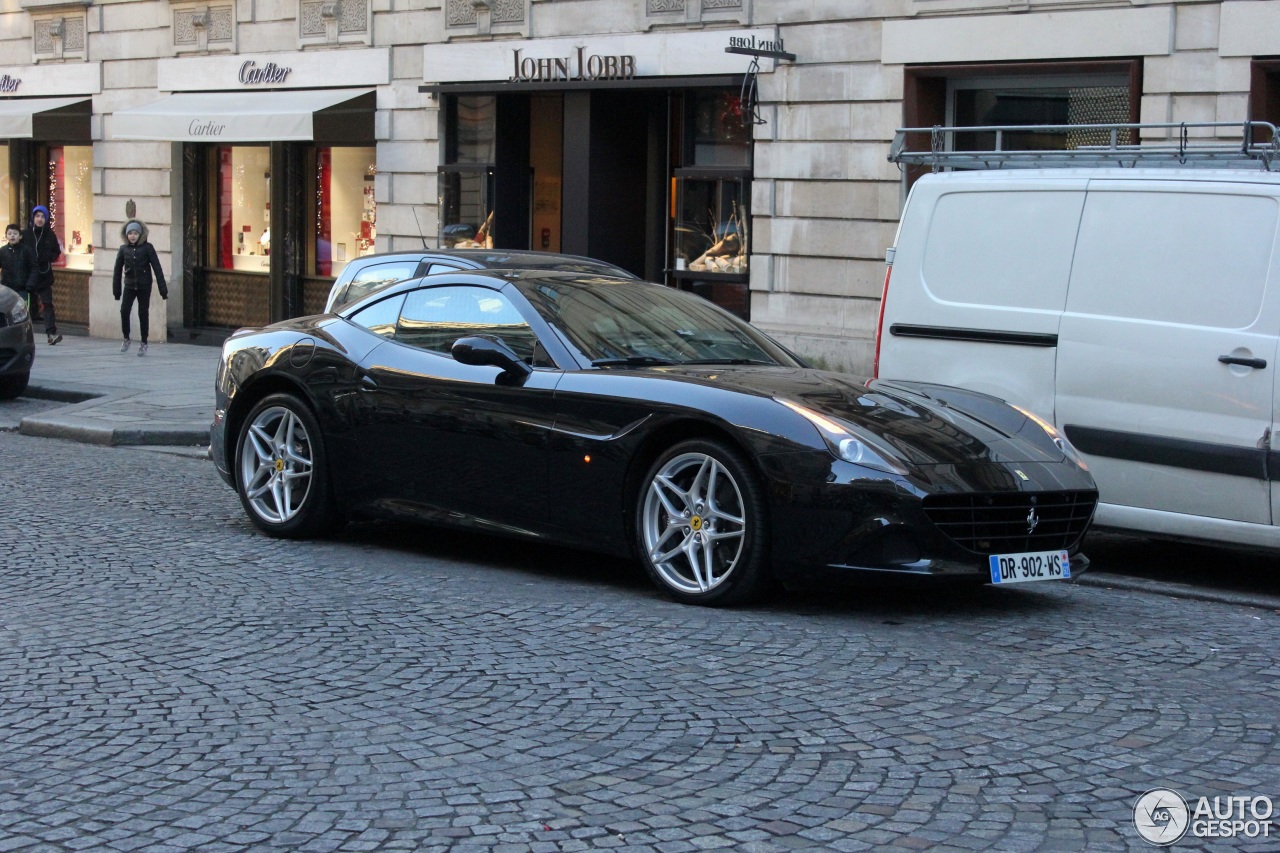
(884, 294)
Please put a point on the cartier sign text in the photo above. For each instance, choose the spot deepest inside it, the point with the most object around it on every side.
(9, 84)
(250, 73)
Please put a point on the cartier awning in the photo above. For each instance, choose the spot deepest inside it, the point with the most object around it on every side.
(279, 116)
(43, 118)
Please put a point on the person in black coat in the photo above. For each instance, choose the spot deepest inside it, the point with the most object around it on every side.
(132, 280)
(13, 266)
(41, 248)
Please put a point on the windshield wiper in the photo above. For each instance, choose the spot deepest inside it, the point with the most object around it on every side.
(630, 361)
(728, 361)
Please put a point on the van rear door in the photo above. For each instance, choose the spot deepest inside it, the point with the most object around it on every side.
(1167, 349)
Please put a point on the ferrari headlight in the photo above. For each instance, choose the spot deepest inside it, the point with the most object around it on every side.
(19, 313)
(1059, 440)
(845, 443)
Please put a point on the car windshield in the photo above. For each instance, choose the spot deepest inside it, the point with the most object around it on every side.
(637, 324)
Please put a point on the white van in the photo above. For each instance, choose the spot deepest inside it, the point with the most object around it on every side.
(1137, 309)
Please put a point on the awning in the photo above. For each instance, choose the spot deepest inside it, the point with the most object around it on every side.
(18, 117)
(276, 116)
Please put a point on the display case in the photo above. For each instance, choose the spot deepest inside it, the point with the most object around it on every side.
(712, 236)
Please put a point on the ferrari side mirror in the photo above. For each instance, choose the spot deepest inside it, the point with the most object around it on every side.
(479, 351)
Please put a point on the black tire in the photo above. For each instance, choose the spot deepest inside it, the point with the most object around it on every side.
(13, 386)
(279, 433)
(726, 525)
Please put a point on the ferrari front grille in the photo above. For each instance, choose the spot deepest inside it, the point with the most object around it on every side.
(1013, 523)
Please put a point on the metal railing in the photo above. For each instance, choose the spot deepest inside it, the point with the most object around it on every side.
(1180, 149)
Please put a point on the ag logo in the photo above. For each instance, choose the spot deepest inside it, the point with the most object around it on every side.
(1161, 816)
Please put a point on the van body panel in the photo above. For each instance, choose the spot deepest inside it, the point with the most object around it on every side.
(1186, 526)
(995, 257)
(1169, 270)
(1166, 278)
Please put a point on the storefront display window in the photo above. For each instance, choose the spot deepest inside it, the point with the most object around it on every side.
(710, 189)
(71, 203)
(711, 225)
(466, 178)
(6, 188)
(346, 212)
(244, 208)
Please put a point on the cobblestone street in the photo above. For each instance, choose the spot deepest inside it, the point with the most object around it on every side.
(170, 679)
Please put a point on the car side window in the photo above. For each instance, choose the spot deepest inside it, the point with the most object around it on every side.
(376, 276)
(437, 268)
(380, 317)
(434, 317)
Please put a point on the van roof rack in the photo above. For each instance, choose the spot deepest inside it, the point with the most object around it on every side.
(1097, 145)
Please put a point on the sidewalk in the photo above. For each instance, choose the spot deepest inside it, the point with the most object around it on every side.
(114, 398)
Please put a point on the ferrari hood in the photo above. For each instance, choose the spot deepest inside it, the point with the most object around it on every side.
(925, 424)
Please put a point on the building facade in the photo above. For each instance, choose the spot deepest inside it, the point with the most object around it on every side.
(735, 148)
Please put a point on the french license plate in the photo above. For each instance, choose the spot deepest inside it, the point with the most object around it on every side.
(1031, 566)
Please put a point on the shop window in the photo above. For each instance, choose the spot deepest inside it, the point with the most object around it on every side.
(244, 208)
(70, 195)
(6, 190)
(346, 213)
(466, 178)
(710, 190)
(203, 28)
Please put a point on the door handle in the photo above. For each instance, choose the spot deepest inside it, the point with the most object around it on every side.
(1259, 363)
(368, 383)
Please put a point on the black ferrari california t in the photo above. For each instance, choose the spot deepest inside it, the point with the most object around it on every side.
(635, 419)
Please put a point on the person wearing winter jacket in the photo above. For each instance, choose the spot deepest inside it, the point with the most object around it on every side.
(13, 267)
(41, 248)
(131, 280)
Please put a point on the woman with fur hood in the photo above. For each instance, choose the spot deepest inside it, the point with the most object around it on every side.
(132, 280)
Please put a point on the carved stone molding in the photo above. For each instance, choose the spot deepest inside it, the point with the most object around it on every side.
(460, 13)
(662, 7)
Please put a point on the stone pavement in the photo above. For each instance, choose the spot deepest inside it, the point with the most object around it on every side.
(114, 398)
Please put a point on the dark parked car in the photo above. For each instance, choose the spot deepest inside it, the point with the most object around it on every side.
(17, 344)
(631, 418)
(364, 275)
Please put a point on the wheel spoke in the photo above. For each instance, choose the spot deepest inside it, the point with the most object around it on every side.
(698, 488)
(277, 497)
(719, 536)
(261, 440)
(692, 553)
(661, 485)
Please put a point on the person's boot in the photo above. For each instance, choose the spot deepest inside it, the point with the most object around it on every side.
(142, 348)
(55, 338)
(124, 347)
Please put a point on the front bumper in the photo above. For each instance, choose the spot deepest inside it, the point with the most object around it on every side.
(862, 521)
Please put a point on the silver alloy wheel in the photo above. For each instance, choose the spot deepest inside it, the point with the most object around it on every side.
(693, 523)
(276, 465)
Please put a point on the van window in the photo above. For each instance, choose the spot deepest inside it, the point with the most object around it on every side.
(1193, 258)
(1010, 249)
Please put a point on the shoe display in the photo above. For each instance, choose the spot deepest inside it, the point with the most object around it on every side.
(142, 349)
(55, 339)
(124, 347)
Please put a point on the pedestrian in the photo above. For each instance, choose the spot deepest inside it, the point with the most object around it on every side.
(41, 248)
(13, 266)
(132, 280)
